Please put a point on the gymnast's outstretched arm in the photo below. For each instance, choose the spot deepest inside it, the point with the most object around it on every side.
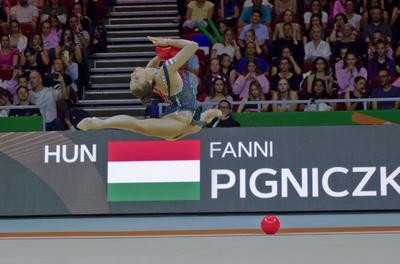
(188, 48)
(154, 62)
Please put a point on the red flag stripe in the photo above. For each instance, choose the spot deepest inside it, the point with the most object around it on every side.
(153, 150)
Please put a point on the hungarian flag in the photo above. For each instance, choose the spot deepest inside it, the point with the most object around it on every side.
(153, 170)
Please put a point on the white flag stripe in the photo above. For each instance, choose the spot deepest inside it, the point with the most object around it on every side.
(154, 171)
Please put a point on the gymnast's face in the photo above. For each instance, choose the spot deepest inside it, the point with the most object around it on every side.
(140, 87)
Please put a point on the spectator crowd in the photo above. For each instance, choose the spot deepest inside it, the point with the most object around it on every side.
(44, 52)
(285, 50)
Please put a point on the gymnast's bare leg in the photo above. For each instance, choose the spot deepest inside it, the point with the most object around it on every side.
(172, 126)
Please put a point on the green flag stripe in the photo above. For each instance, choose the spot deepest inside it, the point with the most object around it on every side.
(165, 191)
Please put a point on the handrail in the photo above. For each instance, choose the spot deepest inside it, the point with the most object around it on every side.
(365, 102)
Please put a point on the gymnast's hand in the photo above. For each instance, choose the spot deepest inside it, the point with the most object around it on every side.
(159, 41)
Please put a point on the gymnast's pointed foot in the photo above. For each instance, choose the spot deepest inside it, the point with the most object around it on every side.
(209, 115)
(90, 123)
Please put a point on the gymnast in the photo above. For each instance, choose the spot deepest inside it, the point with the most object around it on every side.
(182, 116)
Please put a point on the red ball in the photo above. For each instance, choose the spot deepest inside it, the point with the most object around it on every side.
(166, 52)
(270, 224)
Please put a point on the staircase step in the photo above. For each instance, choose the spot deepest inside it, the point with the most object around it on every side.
(119, 64)
(110, 78)
(142, 26)
(109, 86)
(142, 20)
(143, 33)
(139, 54)
(131, 48)
(131, 39)
(111, 70)
(128, 2)
(109, 94)
(134, 8)
(140, 13)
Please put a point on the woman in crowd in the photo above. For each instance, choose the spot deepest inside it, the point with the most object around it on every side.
(219, 91)
(54, 7)
(50, 37)
(339, 21)
(316, 10)
(352, 67)
(17, 39)
(227, 46)
(320, 70)
(283, 94)
(286, 53)
(42, 55)
(8, 58)
(250, 73)
(255, 94)
(288, 17)
(281, 6)
(285, 70)
(251, 54)
(227, 70)
(317, 47)
(319, 92)
(67, 47)
(359, 92)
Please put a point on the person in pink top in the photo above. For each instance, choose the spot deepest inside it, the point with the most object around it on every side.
(352, 68)
(250, 73)
(338, 7)
(50, 38)
(8, 58)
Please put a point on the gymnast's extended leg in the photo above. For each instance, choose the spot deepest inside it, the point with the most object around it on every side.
(167, 127)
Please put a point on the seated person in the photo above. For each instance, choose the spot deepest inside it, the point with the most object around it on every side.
(245, 16)
(226, 120)
(25, 14)
(380, 61)
(46, 99)
(285, 53)
(316, 9)
(54, 7)
(32, 64)
(354, 18)
(5, 100)
(228, 10)
(255, 94)
(352, 67)
(317, 47)
(288, 17)
(251, 72)
(283, 94)
(261, 31)
(251, 54)
(359, 92)
(288, 40)
(227, 45)
(23, 99)
(281, 6)
(385, 90)
(219, 91)
(285, 70)
(377, 25)
(319, 92)
(198, 11)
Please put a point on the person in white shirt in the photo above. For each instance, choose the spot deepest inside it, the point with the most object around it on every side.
(316, 47)
(25, 13)
(353, 18)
